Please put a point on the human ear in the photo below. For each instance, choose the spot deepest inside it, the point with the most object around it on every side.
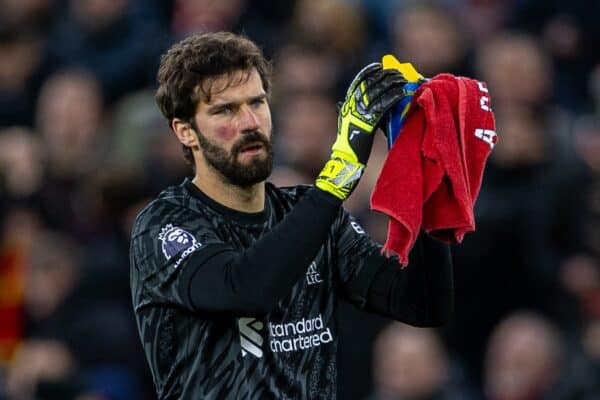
(185, 132)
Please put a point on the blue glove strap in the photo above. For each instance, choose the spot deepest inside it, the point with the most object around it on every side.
(398, 113)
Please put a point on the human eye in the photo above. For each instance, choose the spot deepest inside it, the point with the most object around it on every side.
(258, 102)
(223, 110)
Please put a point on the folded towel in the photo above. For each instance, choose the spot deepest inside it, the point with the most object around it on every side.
(432, 175)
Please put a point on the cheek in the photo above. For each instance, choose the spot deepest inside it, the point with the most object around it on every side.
(267, 119)
(225, 133)
(269, 128)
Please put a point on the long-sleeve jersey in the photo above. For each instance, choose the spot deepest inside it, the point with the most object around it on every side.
(243, 305)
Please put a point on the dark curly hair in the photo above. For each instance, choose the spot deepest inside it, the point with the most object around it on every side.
(186, 70)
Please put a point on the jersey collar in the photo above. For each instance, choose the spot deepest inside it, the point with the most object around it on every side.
(239, 216)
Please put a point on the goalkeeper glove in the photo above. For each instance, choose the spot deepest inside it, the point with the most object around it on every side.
(370, 95)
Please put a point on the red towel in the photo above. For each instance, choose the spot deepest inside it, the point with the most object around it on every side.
(432, 174)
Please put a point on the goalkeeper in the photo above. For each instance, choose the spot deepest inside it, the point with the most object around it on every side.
(236, 282)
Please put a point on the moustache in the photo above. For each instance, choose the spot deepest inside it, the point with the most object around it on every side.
(249, 138)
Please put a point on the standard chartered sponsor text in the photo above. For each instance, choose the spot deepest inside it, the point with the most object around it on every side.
(299, 335)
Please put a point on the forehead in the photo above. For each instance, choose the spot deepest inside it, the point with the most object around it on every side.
(233, 86)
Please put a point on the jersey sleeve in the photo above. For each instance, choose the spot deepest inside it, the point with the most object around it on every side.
(164, 239)
(421, 294)
(358, 258)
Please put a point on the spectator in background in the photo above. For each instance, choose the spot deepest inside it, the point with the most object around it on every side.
(569, 32)
(480, 19)
(428, 36)
(304, 120)
(199, 16)
(21, 71)
(338, 28)
(51, 275)
(520, 60)
(262, 20)
(139, 142)
(19, 230)
(69, 118)
(266, 21)
(27, 13)
(55, 177)
(21, 163)
(67, 348)
(304, 67)
(587, 143)
(581, 276)
(114, 39)
(591, 346)
(527, 358)
(21, 174)
(115, 194)
(530, 208)
(42, 369)
(337, 25)
(412, 364)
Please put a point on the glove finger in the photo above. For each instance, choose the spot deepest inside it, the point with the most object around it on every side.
(369, 70)
(375, 89)
(384, 74)
(362, 75)
(372, 87)
(386, 100)
(375, 78)
(391, 72)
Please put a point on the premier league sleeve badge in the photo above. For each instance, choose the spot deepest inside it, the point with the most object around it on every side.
(175, 240)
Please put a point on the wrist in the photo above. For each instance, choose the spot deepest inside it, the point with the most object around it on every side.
(339, 177)
(347, 155)
(326, 196)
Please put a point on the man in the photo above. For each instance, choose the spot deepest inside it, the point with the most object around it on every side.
(235, 282)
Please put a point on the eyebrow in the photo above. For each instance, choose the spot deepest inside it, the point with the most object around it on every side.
(251, 99)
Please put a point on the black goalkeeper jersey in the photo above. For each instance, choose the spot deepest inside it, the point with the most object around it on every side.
(207, 338)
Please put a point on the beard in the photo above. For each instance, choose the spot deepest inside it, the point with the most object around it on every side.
(227, 164)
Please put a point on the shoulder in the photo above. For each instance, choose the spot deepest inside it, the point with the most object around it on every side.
(170, 224)
(171, 205)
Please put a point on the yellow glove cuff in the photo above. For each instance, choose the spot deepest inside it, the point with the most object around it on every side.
(339, 177)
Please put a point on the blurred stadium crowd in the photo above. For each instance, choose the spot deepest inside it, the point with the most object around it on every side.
(83, 147)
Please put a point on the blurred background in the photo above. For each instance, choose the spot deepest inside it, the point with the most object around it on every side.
(83, 147)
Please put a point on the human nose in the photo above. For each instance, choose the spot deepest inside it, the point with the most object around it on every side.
(249, 119)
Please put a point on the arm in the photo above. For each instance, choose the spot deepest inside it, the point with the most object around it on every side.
(254, 280)
(422, 294)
